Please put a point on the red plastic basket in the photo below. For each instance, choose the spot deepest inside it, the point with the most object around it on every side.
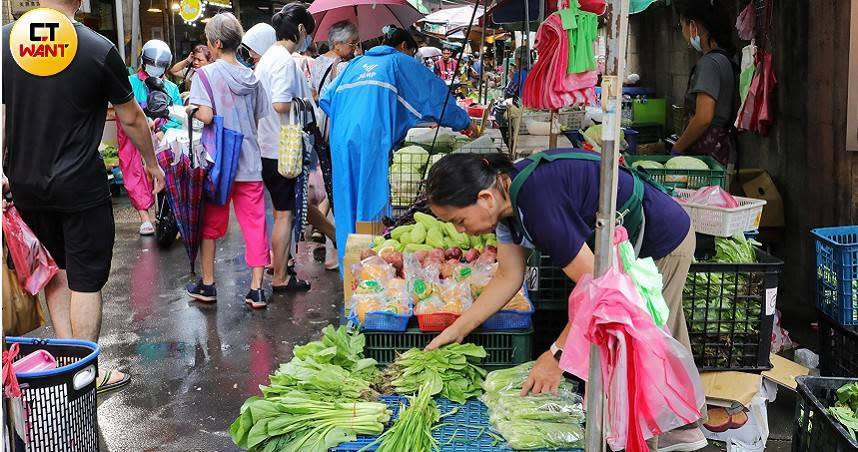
(436, 321)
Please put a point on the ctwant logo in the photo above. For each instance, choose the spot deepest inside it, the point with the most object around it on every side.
(43, 42)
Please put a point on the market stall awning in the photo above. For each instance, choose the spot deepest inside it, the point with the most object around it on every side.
(444, 21)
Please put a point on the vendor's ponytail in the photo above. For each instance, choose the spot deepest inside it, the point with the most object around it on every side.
(457, 179)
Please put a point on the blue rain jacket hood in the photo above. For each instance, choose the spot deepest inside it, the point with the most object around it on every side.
(372, 104)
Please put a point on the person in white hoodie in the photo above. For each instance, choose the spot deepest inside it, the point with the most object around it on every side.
(231, 90)
(258, 39)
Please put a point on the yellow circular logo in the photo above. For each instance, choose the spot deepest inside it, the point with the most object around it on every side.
(190, 10)
(43, 42)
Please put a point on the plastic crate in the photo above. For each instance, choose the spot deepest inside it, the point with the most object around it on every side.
(509, 320)
(838, 348)
(649, 111)
(456, 433)
(683, 178)
(631, 136)
(729, 311)
(504, 348)
(649, 133)
(837, 273)
(382, 321)
(60, 404)
(436, 321)
(547, 286)
(813, 427)
(722, 221)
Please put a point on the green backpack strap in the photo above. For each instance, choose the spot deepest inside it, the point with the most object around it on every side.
(630, 213)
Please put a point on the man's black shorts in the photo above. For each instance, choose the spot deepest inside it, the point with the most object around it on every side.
(281, 189)
(80, 242)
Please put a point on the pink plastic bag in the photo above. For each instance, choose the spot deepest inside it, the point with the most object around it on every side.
(33, 264)
(713, 196)
(650, 379)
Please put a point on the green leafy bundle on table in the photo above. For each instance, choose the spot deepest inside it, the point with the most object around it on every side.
(412, 430)
(845, 409)
(451, 371)
(315, 401)
(544, 421)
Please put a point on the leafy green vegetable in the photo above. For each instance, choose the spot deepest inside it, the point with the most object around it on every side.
(845, 409)
(545, 421)
(684, 162)
(451, 371)
(294, 422)
(412, 430)
(314, 401)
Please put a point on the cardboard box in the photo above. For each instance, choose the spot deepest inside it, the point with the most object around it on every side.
(739, 391)
(757, 183)
(374, 228)
(355, 244)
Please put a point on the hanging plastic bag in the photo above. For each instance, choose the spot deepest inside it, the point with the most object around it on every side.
(291, 147)
(33, 264)
(646, 278)
(650, 379)
(713, 196)
(22, 312)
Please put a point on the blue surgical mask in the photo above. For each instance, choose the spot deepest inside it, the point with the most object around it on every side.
(695, 42)
(153, 71)
(305, 44)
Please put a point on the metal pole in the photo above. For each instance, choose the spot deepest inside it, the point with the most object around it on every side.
(618, 15)
(482, 54)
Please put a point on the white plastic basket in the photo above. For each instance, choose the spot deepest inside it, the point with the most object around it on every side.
(721, 221)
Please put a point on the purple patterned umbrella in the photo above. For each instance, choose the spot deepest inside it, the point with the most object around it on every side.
(184, 187)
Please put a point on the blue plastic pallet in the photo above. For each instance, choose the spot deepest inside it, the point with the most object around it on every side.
(464, 439)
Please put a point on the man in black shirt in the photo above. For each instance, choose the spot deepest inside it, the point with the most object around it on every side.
(53, 126)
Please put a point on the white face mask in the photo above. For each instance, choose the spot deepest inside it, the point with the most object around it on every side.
(154, 71)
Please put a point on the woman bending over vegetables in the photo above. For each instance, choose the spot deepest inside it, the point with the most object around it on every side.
(549, 202)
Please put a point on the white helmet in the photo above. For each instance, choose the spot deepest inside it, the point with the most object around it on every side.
(156, 57)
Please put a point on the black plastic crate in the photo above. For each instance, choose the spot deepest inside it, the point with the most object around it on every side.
(729, 311)
(547, 285)
(649, 133)
(813, 427)
(839, 348)
(504, 348)
(547, 325)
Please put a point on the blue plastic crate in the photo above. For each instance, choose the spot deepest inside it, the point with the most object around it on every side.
(452, 436)
(509, 319)
(383, 321)
(837, 273)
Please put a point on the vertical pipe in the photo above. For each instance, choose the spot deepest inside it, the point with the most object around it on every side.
(605, 218)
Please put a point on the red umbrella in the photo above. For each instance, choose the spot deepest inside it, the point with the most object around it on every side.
(370, 16)
(184, 181)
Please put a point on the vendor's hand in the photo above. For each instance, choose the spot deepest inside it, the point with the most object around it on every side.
(472, 131)
(157, 175)
(190, 58)
(545, 376)
(448, 336)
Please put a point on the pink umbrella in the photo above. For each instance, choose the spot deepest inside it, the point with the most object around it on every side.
(370, 16)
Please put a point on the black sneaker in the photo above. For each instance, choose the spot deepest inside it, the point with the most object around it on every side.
(256, 299)
(201, 292)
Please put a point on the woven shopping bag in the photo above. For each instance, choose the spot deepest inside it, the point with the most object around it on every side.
(291, 147)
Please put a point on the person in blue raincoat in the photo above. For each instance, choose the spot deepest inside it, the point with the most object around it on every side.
(372, 104)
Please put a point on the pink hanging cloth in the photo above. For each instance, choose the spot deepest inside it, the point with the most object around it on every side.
(650, 379)
(548, 85)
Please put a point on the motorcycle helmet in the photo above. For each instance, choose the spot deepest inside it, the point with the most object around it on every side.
(156, 57)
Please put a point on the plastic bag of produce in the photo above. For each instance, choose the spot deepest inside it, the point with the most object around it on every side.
(373, 268)
(425, 136)
(526, 434)
(713, 196)
(455, 295)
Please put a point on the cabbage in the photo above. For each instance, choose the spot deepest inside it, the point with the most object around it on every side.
(684, 162)
(412, 156)
(433, 160)
(405, 180)
(647, 164)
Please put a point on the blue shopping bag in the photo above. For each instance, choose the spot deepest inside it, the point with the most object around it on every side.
(224, 147)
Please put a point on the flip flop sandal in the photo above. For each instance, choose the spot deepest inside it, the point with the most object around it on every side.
(294, 285)
(104, 386)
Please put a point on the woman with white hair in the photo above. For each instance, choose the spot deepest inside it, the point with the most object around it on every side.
(231, 90)
(343, 37)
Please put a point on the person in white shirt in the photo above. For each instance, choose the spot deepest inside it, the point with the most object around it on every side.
(283, 81)
(257, 41)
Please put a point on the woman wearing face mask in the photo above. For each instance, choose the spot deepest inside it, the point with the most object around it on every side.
(372, 104)
(154, 61)
(712, 98)
(256, 42)
(556, 200)
(282, 79)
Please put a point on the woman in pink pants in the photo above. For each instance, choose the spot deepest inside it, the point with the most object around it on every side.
(233, 92)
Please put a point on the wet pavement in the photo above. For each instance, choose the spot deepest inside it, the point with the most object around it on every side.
(193, 364)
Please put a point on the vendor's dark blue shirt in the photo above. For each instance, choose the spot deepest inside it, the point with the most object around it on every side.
(558, 205)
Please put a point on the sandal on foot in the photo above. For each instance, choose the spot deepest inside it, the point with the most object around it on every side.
(294, 285)
(103, 386)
